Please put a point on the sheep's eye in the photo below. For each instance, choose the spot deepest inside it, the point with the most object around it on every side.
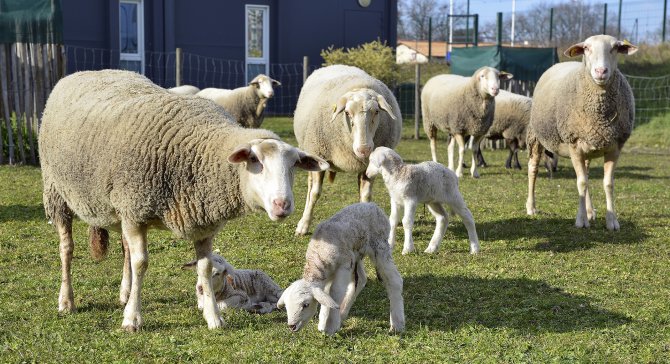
(376, 112)
(305, 305)
(348, 114)
(253, 159)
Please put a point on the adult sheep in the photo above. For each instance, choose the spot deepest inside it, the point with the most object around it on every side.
(461, 106)
(124, 154)
(342, 115)
(583, 110)
(246, 104)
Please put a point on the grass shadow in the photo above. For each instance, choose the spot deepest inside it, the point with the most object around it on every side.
(21, 213)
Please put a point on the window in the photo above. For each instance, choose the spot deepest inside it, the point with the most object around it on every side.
(257, 40)
(131, 35)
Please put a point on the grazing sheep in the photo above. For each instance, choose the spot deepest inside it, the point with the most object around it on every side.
(246, 104)
(184, 90)
(461, 106)
(124, 154)
(411, 184)
(247, 289)
(342, 114)
(583, 111)
(334, 273)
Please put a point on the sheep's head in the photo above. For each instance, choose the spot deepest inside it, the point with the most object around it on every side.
(489, 78)
(379, 158)
(361, 114)
(221, 270)
(264, 86)
(267, 179)
(300, 300)
(600, 55)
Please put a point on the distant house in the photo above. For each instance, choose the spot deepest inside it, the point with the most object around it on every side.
(437, 50)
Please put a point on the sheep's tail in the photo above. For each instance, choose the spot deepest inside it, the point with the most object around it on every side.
(331, 176)
(98, 242)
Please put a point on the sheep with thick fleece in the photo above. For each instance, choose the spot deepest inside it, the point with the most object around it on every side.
(411, 184)
(460, 106)
(334, 273)
(184, 90)
(583, 110)
(342, 115)
(246, 104)
(124, 154)
(248, 289)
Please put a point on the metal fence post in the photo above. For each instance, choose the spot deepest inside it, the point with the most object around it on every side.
(177, 63)
(417, 102)
(305, 69)
(618, 35)
(551, 24)
(605, 20)
(665, 14)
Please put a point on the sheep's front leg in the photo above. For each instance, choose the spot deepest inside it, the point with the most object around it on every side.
(210, 310)
(408, 225)
(578, 163)
(337, 291)
(393, 220)
(450, 153)
(364, 187)
(534, 155)
(590, 211)
(392, 281)
(461, 152)
(66, 249)
(136, 236)
(126, 279)
(314, 185)
(611, 159)
(354, 288)
(441, 222)
(476, 141)
(433, 147)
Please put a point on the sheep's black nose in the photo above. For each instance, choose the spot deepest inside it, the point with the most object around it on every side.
(293, 328)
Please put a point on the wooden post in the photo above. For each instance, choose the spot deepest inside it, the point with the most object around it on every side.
(28, 102)
(17, 102)
(305, 69)
(417, 102)
(4, 75)
(177, 63)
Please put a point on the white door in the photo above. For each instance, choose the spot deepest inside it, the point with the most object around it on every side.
(257, 42)
(131, 35)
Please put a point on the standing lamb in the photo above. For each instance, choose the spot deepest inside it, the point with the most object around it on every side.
(184, 90)
(248, 289)
(124, 154)
(583, 111)
(334, 273)
(342, 114)
(461, 106)
(246, 104)
(411, 184)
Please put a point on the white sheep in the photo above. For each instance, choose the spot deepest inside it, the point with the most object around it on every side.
(334, 273)
(124, 154)
(184, 90)
(411, 184)
(341, 115)
(583, 110)
(460, 106)
(246, 104)
(248, 289)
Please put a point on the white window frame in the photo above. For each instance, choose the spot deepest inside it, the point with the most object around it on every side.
(139, 56)
(266, 39)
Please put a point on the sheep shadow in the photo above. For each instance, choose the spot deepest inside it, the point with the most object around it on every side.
(527, 305)
(21, 213)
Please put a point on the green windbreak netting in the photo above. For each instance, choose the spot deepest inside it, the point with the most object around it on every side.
(31, 21)
(526, 64)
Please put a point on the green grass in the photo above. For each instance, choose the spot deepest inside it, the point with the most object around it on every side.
(540, 291)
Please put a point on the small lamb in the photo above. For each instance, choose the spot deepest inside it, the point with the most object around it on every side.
(248, 289)
(428, 182)
(334, 273)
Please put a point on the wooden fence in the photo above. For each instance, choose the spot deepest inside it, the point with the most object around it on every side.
(28, 72)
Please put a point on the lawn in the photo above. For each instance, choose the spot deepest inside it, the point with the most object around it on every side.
(539, 291)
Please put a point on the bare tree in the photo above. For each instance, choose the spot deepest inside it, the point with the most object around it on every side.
(414, 17)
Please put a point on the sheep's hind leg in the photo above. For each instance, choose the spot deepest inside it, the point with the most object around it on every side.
(579, 165)
(534, 155)
(611, 159)
(314, 185)
(441, 222)
(210, 311)
(66, 295)
(136, 235)
(459, 208)
(393, 220)
(450, 153)
(364, 187)
(386, 269)
(432, 135)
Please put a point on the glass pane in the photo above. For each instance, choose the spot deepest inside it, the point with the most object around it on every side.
(255, 33)
(254, 70)
(128, 27)
(131, 65)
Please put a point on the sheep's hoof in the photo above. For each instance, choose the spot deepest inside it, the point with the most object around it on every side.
(301, 229)
(581, 222)
(612, 222)
(132, 324)
(215, 324)
(591, 215)
(430, 249)
(66, 307)
(407, 251)
(474, 249)
(475, 174)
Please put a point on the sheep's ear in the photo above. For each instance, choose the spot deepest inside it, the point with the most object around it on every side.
(280, 303)
(275, 82)
(505, 76)
(339, 107)
(385, 106)
(323, 298)
(575, 50)
(625, 47)
(241, 154)
(190, 265)
(310, 162)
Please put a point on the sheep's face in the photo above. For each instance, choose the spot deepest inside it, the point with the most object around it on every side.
(361, 115)
(264, 86)
(377, 159)
(600, 56)
(267, 179)
(489, 80)
(300, 300)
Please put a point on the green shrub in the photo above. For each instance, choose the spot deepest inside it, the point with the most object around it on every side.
(375, 58)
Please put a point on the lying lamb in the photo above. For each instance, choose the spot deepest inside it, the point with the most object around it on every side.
(334, 273)
(583, 110)
(247, 289)
(411, 184)
(246, 104)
